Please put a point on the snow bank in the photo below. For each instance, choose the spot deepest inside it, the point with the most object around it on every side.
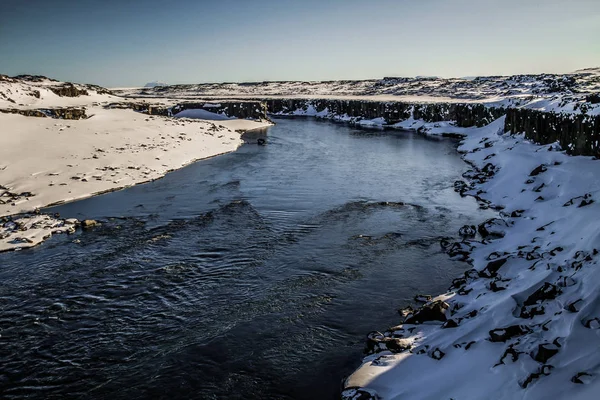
(524, 322)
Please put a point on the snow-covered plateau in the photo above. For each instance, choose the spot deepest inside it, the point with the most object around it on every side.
(546, 92)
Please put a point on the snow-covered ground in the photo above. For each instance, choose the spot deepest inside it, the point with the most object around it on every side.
(524, 322)
(546, 92)
(44, 160)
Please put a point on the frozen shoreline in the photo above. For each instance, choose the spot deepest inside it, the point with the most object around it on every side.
(45, 161)
(524, 322)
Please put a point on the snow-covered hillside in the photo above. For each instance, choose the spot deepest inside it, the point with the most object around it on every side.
(524, 322)
(28, 91)
(574, 92)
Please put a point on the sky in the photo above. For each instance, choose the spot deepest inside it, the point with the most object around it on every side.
(116, 43)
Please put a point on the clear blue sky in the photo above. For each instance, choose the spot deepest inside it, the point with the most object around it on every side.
(131, 42)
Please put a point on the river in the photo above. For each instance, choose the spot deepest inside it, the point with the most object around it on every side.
(252, 275)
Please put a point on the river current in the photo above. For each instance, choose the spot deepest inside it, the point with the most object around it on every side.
(252, 275)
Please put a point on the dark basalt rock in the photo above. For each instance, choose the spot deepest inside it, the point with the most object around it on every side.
(545, 352)
(510, 351)
(532, 306)
(491, 269)
(356, 393)
(450, 324)
(544, 371)
(377, 342)
(538, 170)
(498, 285)
(504, 334)
(574, 306)
(592, 323)
(72, 113)
(547, 292)
(582, 378)
(517, 213)
(435, 311)
(461, 187)
(68, 90)
(491, 228)
(422, 298)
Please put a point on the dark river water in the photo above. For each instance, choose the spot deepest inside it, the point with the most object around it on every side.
(253, 275)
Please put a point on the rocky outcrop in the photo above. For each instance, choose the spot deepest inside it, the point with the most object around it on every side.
(392, 112)
(256, 110)
(68, 90)
(578, 134)
(58, 113)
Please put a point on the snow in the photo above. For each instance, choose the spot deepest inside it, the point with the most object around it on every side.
(546, 92)
(44, 161)
(552, 242)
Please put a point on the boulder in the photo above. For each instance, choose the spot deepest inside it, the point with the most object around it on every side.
(435, 311)
(89, 223)
(504, 334)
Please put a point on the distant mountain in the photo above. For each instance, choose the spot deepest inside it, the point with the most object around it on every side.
(155, 84)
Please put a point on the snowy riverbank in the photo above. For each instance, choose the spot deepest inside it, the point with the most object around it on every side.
(46, 161)
(524, 321)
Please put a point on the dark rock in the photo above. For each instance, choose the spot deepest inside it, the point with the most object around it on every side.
(491, 269)
(547, 292)
(491, 228)
(450, 324)
(356, 393)
(377, 342)
(437, 354)
(68, 90)
(574, 306)
(435, 311)
(545, 352)
(592, 323)
(510, 351)
(544, 371)
(538, 170)
(498, 285)
(504, 334)
(517, 213)
(422, 298)
(582, 378)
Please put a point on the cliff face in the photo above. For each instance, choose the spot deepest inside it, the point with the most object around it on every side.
(393, 112)
(578, 134)
(59, 113)
(256, 110)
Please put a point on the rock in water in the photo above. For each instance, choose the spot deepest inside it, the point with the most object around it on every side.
(89, 223)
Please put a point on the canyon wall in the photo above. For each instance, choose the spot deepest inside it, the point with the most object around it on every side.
(578, 134)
